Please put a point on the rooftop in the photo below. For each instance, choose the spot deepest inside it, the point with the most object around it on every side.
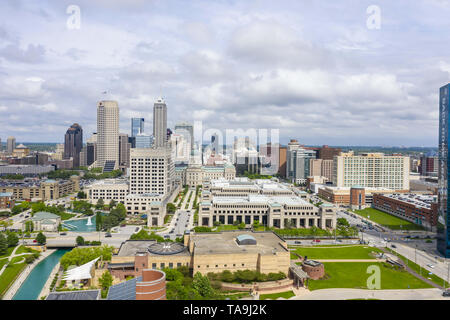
(267, 243)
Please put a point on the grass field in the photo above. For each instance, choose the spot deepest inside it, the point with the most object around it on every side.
(274, 296)
(8, 252)
(387, 220)
(354, 275)
(422, 271)
(11, 272)
(337, 252)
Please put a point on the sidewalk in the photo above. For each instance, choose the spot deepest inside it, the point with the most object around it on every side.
(46, 289)
(23, 276)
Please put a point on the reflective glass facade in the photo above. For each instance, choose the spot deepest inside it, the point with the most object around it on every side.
(137, 126)
(443, 236)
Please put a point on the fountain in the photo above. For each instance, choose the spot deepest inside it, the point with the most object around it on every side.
(89, 222)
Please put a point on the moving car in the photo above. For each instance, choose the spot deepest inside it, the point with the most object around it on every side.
(393, 246)
(446, 293)
(430, 265)
(316, 240)
(297, 242)
(63, 233)
(108, 235)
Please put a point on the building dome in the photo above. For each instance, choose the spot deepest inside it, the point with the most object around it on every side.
(245, 239)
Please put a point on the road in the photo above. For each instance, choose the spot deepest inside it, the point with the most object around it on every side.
(345, 294)
(183, 219)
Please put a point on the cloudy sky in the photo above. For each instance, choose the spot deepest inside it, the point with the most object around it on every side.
(312, 69)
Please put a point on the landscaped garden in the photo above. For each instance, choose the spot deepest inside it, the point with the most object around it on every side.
(354, 275)
(387, 220)
(274, 296)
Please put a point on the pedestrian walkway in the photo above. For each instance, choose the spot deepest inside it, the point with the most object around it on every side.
(23, 276)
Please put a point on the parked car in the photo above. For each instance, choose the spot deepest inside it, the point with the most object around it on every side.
(63, 233)
(393, 246)
(34, 240)
(430, 265)
(166, 236)
(108, 235)
(179, 235)
(316, 240)
(137, 229)
(446, 293)
(297, 242)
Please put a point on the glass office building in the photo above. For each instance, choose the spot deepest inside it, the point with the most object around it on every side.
(144, 140)
(443, 233)
(137, 126)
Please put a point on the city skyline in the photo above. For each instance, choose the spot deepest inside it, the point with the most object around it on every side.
(318, 85)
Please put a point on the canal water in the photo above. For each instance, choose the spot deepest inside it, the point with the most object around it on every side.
(36, 280)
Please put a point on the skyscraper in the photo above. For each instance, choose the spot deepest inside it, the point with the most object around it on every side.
(10, 144)
(143, 141)
(137, 126)
(443, 232)
(73, 143)
(124, 151)
(160, 123)
(108, 135)
(298, 162)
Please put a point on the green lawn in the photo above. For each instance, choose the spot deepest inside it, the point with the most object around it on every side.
(11, 272)
(337, 252)
(23, 249)
(274, 296)
(354, 275)
(8, 252)
(66, 216)
(387, 220)
(422, 271)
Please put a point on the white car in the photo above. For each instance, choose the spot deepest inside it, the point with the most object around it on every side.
(430, 265)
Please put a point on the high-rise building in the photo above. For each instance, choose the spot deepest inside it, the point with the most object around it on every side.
(1, 145)
(73, 143)
(124, 151)
(137, 126)
(371, 170)
(298, 162)
(160, 123)
(10, 144)
(108, 135)
(282, 159)
(143, 141)
(187, 130)
(429, 165)
(327, 153)
(152, 171)
(443, 231)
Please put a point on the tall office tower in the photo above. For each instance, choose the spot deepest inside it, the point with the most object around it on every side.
(151, 171)
(429, 165)
(108, 135)
(10, 144)
(137, 126)
(298, 162)
(443, 231)
(187, 130)
(181, 148)
(371, 170)
(327, 153)
(91, 149)
(143, 141)
(282, 160)
(124, 151)
(270, 157)
(73, 143)
(160, 123)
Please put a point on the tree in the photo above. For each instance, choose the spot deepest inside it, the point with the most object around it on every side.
(171, 208)
(112, 204)
(29, 226)
(202, 285)
(3, 244)
(105, 282)
(98, 221)
(41, 238)
(100, 204)
(342, 222)
(12, 239)
(37, 207)
(80, 241)
(81, 195)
